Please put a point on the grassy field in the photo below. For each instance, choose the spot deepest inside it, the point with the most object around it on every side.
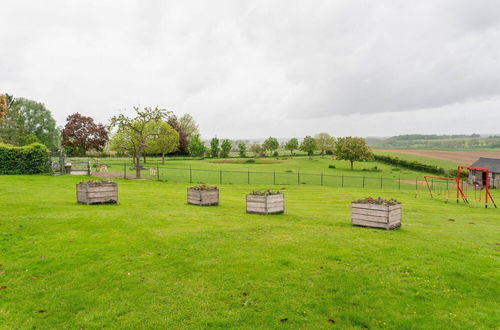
(282, 171)
(155, 262)
(426, 160)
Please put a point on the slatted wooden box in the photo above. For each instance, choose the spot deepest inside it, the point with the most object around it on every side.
(266, 204)
(376, 216)
(97, 193)
(203, 197)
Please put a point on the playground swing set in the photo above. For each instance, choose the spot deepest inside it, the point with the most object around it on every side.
(457, 185)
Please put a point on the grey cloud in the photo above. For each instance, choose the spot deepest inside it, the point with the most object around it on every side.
(257, 62)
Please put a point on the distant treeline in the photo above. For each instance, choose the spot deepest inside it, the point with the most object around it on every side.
(416, 141)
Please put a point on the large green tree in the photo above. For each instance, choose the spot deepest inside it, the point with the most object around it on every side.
(325, 142)
(166, 142)
(352, 149)
(225, 148)
(137, 133)
(292, 145)
(214, 147)
(271, 144)
(308, 145)
(196, 147)
(242, 149)
(188, 125)
(28, 121)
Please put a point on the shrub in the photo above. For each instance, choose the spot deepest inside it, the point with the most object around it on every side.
(250, 161)
(331, 166)
(412, 165)
(31, 159)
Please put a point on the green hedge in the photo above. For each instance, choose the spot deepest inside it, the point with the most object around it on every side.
(30, 159)
(412, 165)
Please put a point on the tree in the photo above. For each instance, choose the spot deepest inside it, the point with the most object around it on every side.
(325, 142)
(242, 149)
(188, 125)
(3, 106)
(257, 150)
(166, 142)
(183, 137)
(308, 145)
(214, 147)
(271, 144)
(352, 149)
(136, 134)
(25, 119)
(292, 144)
(81, 134)
(196, 147)
(225, 148)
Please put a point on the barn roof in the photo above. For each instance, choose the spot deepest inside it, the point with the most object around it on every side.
(493, 164)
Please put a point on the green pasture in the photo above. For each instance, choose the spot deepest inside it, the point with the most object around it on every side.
(279, 171)
(446, 164)
(154, 262)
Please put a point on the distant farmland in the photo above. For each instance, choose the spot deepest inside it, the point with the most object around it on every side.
(458, 157)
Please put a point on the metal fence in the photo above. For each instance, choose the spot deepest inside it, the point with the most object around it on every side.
(211, 176)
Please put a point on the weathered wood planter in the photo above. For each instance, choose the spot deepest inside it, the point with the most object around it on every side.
(265, 204)
(377, 216)
(97, 193)
(203, 197)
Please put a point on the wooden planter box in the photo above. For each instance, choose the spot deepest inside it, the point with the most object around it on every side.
(266, 204)
(203, 197)
(97, 193)
(376, 216)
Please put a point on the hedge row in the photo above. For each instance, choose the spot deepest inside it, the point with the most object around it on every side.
(412, 165)
(30, 159)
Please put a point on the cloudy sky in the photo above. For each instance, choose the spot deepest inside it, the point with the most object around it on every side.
(248, 69)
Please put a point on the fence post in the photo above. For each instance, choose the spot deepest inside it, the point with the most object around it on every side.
(298, 177)
(416, 183)
(190, 175)
(220, 176)
(157, 172)
(399, 183)
(321, 178)
(124, 170)
(363, 180)
(248, 177)
(342, 180)
(274, 178)
(381, 182)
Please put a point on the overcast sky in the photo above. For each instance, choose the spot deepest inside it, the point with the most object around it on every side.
(248, 69)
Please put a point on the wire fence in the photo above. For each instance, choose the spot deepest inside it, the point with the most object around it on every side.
(222, 176)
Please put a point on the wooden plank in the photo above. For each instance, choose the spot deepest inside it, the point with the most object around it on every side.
(370, 206)
(370, 212)
(274, 198)
(370, 224)
(256, 198)
(369, 218)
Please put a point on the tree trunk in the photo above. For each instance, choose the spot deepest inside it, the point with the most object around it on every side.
(352, 167)
(163, 158)
(138, 166)
(144, 159)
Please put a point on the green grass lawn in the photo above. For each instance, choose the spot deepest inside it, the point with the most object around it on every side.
(289, 170)
(155, 262)
(446, 164)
